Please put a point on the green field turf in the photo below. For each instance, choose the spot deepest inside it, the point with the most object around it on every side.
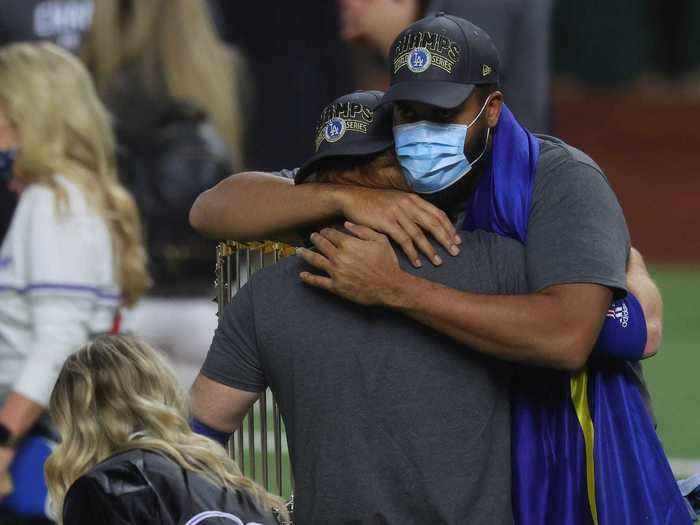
(674, 374)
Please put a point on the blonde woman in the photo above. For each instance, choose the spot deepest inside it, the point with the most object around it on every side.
(165, 48)
(159, 64)
(127, 453)
(73, 253)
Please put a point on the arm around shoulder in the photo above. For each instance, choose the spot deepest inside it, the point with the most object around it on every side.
(254, 206)
(575, 257)
(554, 328)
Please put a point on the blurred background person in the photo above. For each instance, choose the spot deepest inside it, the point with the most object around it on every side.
(175, 92)
(127, 453)
(74, 252)
(63, 22)
(297, 61)
(520, 29)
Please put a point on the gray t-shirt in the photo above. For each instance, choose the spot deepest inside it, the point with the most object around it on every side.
(387, 421)
(577, 231)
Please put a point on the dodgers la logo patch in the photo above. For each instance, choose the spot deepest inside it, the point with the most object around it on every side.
(341, 118)
(422, 50)
(419, 60)
(335, 129)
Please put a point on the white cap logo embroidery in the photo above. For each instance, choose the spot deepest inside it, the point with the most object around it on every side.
(335, 129)
(419, 60)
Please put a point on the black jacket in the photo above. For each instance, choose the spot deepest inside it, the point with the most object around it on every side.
(144, 487)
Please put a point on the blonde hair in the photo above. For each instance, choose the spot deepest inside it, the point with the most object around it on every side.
(64, 129)
(118, 385)
(174, 44)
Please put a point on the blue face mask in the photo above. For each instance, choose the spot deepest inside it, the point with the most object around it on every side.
(7, 159)
(431, 155)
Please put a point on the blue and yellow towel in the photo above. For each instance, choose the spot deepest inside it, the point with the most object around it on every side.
(584, 449)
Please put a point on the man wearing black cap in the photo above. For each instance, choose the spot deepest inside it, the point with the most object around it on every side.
(309, 348)
(387, 422)
(456, 141)
(449, 119)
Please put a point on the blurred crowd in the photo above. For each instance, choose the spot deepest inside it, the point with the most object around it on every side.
(138, 106)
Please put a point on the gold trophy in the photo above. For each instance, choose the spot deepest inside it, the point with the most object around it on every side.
(252, 445)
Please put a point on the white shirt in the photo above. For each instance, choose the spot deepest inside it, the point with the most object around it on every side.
(57, 286)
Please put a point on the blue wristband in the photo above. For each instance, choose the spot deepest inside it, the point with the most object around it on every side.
(204, 430)
(624, 332)
(30, 496)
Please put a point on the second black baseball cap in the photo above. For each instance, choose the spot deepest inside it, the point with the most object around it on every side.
(350, 126)
(439, 60)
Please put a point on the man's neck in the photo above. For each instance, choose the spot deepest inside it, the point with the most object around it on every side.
(453, 200)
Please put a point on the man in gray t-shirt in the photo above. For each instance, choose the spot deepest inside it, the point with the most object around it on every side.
(387, 421)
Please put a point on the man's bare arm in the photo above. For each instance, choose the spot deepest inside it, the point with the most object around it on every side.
(640, 283)
(556, 327)
(219, 406)
(255, 206)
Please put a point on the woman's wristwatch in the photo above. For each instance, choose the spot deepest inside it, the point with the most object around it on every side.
(7, 439)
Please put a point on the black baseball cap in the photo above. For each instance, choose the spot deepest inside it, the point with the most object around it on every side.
(350, 126)
(439, 60)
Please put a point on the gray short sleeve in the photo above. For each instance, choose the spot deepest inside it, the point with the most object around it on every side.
(577, 231)
(233, 357)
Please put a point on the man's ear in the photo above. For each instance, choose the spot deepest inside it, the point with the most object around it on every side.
(493, 109)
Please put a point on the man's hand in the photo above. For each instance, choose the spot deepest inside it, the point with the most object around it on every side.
(6, 457)
(405, 217)
(254, 206)
(362, 267)
(561, 322)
